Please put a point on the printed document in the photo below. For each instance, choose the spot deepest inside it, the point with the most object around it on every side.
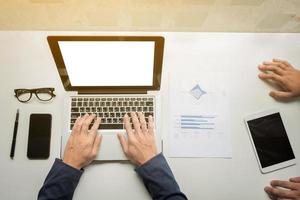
(199, 123)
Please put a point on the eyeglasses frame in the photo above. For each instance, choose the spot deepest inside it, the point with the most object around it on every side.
(34, 91)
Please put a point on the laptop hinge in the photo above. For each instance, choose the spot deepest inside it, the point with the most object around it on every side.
(109, 91)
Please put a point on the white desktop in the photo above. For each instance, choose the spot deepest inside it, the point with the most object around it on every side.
(26, 61)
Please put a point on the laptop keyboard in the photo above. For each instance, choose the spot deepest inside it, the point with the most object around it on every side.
(110, 109)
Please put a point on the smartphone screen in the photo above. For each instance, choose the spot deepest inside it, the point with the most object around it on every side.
(270, 140)
(39, 136)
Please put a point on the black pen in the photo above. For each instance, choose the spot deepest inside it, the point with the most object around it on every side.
(13, 144)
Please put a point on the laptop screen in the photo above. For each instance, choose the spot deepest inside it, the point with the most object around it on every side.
(109, 63)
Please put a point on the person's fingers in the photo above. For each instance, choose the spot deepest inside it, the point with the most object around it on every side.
(284, 62)
(284, 184)
(271, 195)
(277, 64)
(96, 145)
(86, 123)
(295, 179)
(85, 116)
(127, 125)
(143, 122)
(96, 124)
(123, 143)
(136, 123)
(150, 125)
(93, 132)
(80, 122)
(77, 126)
(273, 68)
(281, 193)
(280, 95)
(274, 77)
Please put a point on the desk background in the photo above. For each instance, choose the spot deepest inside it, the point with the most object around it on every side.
(26, 61)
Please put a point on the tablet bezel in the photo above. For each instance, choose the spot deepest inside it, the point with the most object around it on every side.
(272, 167)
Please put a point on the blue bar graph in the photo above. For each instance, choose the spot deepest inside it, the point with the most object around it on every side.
(193, 120)
(203, 122)
(183, 124)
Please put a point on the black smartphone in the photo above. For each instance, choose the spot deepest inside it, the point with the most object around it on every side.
(39, 136)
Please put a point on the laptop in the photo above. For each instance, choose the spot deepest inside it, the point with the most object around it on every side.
(109, 76)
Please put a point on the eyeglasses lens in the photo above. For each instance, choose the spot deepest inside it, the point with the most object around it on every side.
(23, 95)
(44, 94)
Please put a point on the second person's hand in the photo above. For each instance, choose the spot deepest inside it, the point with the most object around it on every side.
(284, 189)
(139, 146)
(284, 75)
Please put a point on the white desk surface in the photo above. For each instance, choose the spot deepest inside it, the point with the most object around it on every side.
(26, 61)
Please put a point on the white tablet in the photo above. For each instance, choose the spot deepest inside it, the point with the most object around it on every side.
(270, 140)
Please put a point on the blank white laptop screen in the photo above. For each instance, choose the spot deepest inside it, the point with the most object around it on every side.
(109, 63)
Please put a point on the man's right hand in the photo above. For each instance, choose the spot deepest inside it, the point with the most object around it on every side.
(139, 146)
(83, 144)
(284, 75)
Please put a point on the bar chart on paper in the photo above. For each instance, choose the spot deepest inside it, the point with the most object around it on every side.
(194, 126)
(199, 126)
(197, 122)
(200, 135)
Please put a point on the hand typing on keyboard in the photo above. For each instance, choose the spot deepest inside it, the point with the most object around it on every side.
(139, 146)
(83, 144)
(111, 109)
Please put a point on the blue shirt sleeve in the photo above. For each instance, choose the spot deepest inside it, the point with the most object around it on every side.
(159, 179)
(60, 182)
(157, 176)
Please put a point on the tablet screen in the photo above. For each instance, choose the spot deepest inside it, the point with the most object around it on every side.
(270, 140)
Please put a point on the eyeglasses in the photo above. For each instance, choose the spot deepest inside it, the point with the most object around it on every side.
(43, 94)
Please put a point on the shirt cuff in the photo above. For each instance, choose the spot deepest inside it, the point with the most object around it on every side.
(65, 167)
(150, 165)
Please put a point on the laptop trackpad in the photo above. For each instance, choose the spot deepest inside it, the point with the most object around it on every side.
(110, 148)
